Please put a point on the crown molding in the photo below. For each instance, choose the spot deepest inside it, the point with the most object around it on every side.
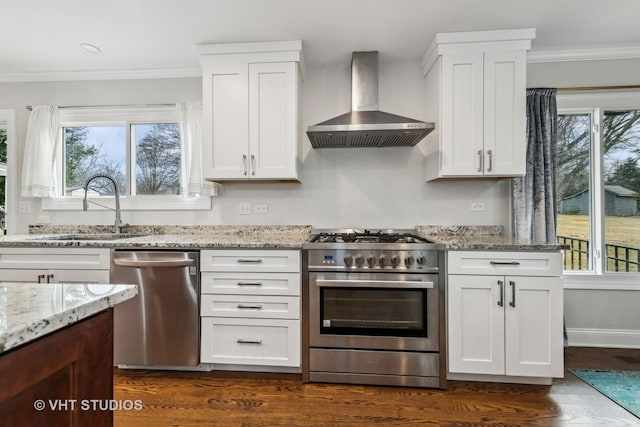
(568, 55)
(57, 76)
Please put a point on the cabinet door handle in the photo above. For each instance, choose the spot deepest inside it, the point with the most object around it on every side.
(253, 164)
(504, 262)
(490, 155)
(244, 164)
(479, 160)
(250, 260)
(249, 283)
(245, 341)
(49, 277)
(40, 277)
(513, 293)
(501, 300)
(250, 306)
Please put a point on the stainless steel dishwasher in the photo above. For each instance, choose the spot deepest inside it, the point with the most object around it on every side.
(161, 326)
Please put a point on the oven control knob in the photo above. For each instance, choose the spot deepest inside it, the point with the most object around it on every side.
(420, 260)
(408, 261)
(395, 261)
(348, 260)
(371, 261)
(382, 260)
(359, 260)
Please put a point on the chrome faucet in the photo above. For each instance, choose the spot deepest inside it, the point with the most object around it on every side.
(85, 202)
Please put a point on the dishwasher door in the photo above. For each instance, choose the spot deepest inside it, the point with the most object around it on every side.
(161, 326)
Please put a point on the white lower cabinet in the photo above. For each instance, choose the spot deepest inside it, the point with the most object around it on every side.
(250, 308)
(505, 313)
(55, 265)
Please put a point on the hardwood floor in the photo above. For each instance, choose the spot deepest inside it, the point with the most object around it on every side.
(246, 399)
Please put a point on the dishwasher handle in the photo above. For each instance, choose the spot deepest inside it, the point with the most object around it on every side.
(167, 262)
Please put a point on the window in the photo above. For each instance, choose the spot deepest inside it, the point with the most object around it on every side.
(139, 147)
(598, 186)
(142, 157)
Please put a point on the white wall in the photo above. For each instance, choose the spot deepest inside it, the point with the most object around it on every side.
(596, 317)
(364, 187)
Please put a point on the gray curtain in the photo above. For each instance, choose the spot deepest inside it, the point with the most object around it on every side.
(534, 195)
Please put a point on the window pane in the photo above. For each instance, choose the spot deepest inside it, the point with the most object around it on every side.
(91, 150)
(621, 139)
(157, 158)
(573, 187)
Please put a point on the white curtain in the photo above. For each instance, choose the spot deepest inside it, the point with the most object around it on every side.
(192, 182)
(39, 167)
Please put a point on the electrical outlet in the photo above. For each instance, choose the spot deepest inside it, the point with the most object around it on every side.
(24, 207)
(477, 206)
(43, 219)
(244, 208)
(261, 208)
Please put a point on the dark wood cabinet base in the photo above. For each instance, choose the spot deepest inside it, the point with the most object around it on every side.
(53, 380)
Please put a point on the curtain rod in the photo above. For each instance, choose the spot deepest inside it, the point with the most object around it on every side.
(30, 108)
(590, 88)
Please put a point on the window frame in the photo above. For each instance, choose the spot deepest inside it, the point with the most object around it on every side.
(595, 103)
(120, 116)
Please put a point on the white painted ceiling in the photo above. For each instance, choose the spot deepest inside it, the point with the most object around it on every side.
(43, 36)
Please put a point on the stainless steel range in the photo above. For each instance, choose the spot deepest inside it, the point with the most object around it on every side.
(373, 308)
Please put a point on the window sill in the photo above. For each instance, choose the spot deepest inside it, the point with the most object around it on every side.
(134, 203)
(602, 282)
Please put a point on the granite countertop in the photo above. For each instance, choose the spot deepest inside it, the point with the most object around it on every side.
(32, 310)
(288, 237)
(459, 237)
(490, 238)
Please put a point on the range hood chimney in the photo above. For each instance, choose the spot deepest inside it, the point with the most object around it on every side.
(365, 125)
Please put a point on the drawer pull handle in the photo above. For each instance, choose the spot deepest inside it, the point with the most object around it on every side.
(505, 263)
(250, 306)
(254, 260)
(249, 283)
(245, 341)
(40, 278)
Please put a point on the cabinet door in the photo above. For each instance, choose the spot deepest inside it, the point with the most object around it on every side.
(79, 276)
(21, 275)
(225, 107)
(273, 125)
(476, 324)
(504, 113)
(462, 116)
(533, 326)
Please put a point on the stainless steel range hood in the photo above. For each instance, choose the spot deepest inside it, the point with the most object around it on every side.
(365, 125)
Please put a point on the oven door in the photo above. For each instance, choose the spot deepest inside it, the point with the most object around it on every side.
(380, 311)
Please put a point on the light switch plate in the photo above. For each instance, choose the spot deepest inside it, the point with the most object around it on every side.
(244, 208)
(478, 206)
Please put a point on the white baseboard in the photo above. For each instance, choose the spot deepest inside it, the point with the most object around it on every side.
(614, 338)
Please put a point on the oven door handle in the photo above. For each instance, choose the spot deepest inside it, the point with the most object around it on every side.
(354, 283)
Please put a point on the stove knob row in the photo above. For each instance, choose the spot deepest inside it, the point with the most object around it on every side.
(382, 261)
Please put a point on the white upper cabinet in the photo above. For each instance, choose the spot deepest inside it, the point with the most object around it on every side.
(476, 95)
(251, 98)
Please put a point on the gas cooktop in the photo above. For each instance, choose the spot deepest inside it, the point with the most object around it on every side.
(366, 236)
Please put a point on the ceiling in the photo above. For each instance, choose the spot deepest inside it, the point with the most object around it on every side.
(43, 36)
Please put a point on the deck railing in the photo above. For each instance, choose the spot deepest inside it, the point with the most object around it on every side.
(619, 257)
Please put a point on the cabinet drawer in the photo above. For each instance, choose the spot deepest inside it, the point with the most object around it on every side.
(58, 258)
(263, 307)
(251, 283)
(250, 260)
(505, 263)
(250, 342)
